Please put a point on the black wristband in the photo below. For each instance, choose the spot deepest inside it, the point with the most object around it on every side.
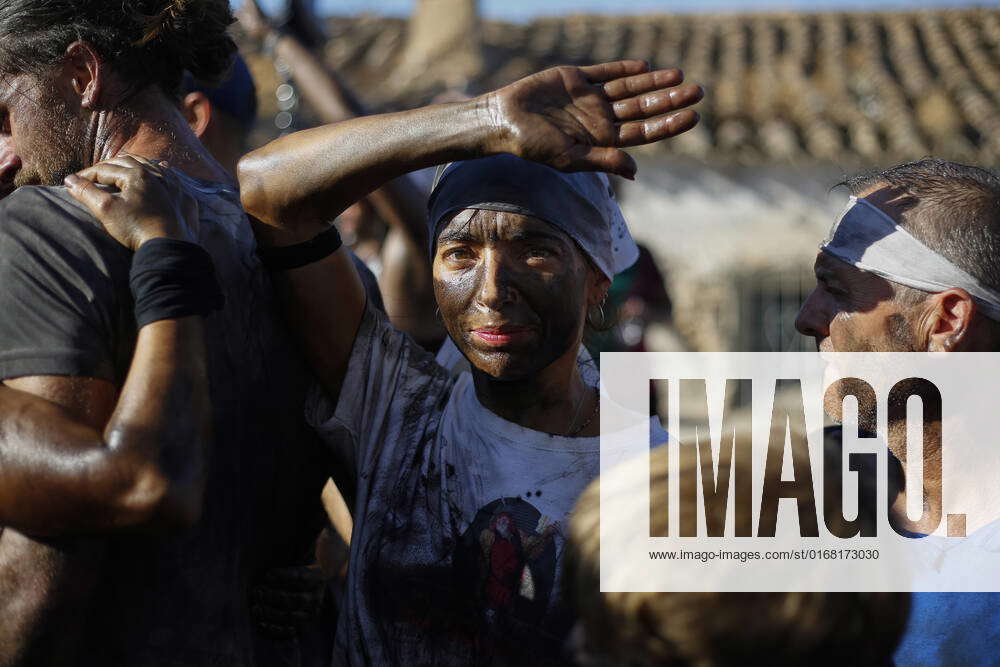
(170, 279)
(298, 255)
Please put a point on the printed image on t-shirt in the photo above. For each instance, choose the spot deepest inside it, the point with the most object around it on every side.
(459, 515)
(509, 553)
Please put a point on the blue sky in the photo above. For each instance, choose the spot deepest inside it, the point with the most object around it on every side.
(521, 10)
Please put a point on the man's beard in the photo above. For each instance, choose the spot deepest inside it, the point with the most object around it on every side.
(900, 336)
(57, 143)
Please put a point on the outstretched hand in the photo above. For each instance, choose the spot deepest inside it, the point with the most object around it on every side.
(579, 118)
(149, 203)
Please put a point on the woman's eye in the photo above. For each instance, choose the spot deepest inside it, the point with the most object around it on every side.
(539, 253)
(458, 254)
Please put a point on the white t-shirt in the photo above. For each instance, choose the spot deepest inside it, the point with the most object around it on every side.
(460, 515)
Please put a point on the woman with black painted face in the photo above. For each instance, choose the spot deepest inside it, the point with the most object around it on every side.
(461, 483)
(522, 258)
(522, 255)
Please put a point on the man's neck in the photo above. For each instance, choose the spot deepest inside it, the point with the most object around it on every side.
(156, 130)
(556, 400)
(931, 446)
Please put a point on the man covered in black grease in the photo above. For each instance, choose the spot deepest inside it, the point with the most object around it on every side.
(142, 394)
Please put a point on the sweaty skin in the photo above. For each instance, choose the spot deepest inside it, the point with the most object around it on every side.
(851, 310)
(90, 458)
(570, 118)
(514, 291)
(518, 275)
(575, 119)
(81, 455)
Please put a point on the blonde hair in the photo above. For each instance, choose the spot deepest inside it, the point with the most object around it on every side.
(714, 629)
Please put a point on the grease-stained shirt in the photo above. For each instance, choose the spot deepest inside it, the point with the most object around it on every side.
(67, 310)
(460, 516)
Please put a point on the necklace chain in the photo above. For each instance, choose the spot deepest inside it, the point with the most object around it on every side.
(585, 424)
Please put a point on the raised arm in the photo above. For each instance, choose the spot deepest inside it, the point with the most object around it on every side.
(76, 455)
(573, 119)
(331, 101)
(397, 202)
(405, 281)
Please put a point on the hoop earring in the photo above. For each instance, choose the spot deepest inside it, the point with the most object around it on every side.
(604, 320)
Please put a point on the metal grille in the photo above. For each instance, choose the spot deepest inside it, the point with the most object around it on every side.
(768, 303)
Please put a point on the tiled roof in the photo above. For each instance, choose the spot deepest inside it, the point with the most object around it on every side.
(783, 88)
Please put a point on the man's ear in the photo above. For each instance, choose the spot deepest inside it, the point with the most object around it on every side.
(85, 73)
(197, 112)
(949, 319)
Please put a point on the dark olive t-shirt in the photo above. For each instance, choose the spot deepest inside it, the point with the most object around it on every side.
(66, 309)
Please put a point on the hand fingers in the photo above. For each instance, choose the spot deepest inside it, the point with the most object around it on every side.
(603, 158)
(629, 86)
(132, 162)
(161, 169)
(657, 103)
(122, 170)
(114, 173)
(156, 167)
(88, 194)
(614, 70)
(647, 131)
(124, 160)
(148, 166)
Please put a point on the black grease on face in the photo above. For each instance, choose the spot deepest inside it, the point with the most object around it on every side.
(499, 286)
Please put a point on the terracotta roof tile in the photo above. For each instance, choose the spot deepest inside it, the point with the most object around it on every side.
(841, 88)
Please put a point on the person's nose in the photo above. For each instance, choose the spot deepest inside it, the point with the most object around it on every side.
(10, 163)
(496, 287)
(813, 320)
(9, 160)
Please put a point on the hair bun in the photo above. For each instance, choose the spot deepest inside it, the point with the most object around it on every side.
(164, 21)
(147, 41)
(192, 33)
